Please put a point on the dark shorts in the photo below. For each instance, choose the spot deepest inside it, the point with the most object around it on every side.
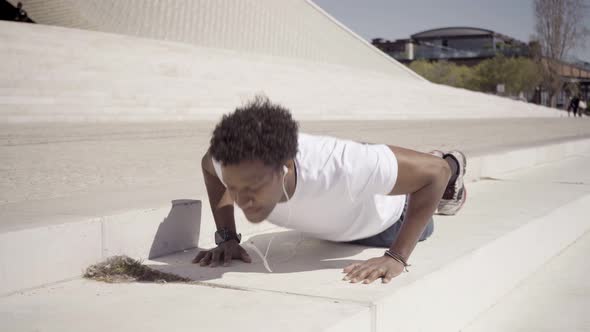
(387, 237)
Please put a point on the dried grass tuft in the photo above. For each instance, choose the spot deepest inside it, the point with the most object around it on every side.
(118, 269)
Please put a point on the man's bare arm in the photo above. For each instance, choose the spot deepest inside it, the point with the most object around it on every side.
(223, 213)
(424, 177)
(222, 205)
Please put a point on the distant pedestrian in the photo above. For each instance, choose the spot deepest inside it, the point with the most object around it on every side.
(574, 104)
(582, 106)
(21, 14)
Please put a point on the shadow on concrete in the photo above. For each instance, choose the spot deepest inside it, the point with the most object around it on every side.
(179, 230)
(290, 252)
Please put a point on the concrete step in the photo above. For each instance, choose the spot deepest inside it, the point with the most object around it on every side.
(68, 171)
(511, 226)
(555, 298)
(98, 307)
(152, 202)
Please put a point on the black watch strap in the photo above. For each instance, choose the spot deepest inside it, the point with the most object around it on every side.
(225, 234)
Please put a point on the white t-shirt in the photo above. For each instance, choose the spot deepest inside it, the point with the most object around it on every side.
(341, 191)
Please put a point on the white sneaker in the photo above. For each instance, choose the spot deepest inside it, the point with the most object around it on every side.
(455, 194)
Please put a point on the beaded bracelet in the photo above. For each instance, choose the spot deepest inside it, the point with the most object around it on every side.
(398, 258)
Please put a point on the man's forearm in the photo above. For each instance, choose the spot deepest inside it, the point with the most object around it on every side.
(421, 207)
(220, 201)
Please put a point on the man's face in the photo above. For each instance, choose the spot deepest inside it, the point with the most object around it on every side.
(255, 187)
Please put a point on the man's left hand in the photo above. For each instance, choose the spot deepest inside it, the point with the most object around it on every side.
(368, 271)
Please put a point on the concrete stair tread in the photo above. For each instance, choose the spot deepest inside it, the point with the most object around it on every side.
(93, 306)
(554, 298)
(93, 204)
(127, 167)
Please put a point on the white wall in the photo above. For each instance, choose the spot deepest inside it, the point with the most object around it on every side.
(60, 74)
(290, 28)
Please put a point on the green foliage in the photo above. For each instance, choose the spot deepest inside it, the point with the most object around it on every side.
(443, 72)
(527, 76)
(517, 74)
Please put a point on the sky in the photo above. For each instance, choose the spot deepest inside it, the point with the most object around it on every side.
(396, 19)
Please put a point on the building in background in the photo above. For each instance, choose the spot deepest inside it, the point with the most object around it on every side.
(469, 46)
(462, 45)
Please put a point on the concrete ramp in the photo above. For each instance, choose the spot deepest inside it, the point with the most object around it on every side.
(59, 74)
(286, 28)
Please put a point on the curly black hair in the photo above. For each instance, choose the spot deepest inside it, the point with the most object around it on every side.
(259, 130)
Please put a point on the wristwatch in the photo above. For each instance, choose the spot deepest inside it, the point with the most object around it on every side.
(225, 234)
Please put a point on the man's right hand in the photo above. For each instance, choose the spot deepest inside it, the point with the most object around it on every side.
(226, 251)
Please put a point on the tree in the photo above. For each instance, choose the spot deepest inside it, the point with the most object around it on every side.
(525, 76)
(489, 73)
(559, 28)
(517, 74)
(443, 72)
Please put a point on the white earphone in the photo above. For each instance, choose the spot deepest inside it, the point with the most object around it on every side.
(264, 260)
